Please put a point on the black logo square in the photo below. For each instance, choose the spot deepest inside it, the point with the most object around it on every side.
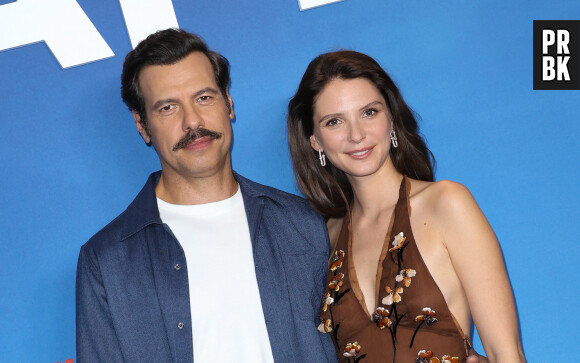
(557, 54)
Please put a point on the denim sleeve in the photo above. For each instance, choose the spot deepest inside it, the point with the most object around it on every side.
(96, 337)
(327, 344)
(323, 239)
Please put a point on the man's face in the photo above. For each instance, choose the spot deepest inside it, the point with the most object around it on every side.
(181, 100)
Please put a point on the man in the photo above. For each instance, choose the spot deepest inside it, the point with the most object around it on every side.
(204, 263)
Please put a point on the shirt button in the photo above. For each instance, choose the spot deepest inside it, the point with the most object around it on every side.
(180, 325)
(177, 267)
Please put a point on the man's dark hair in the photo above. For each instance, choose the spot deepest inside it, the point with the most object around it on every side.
(327, 187)
(167, 47)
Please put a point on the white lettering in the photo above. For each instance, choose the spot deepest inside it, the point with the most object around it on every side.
(563, 68)
(309, 4)
(61, 24)
(555, 67)
(71, 36)
(548, 72)
(563, 40)
(144, 17)
(548, 39)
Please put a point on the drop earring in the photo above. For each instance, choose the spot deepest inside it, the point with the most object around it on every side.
(321, 157)
(394, 139)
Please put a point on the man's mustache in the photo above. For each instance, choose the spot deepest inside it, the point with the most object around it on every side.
(195, 134)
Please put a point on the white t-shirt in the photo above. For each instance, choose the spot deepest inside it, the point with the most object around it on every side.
(227, 319)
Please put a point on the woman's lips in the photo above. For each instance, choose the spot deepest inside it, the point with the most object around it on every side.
(360, 154)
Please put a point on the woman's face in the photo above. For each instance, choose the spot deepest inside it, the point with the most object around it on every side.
(352, 125)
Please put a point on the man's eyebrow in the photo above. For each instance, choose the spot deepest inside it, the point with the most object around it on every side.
(162, 102)
(205, 90)
(165, 101)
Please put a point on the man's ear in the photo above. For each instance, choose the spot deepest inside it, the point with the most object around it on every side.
(314, 143)
(144, 134)
(230, 103)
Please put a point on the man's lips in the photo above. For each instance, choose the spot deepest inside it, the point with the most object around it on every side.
(199, 144)
(197, 139)
(360, 153)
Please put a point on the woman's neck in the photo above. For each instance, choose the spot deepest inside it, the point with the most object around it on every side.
(376, 193)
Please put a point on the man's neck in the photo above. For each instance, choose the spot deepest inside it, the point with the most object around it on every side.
(176, 189)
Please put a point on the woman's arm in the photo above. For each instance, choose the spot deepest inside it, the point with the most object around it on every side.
(478, 262)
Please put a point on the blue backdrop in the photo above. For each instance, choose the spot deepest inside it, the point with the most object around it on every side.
(73, 160)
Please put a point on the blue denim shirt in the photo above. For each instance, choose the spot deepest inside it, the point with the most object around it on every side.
(132, 292)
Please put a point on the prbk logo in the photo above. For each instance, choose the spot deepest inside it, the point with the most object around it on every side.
(557, 54)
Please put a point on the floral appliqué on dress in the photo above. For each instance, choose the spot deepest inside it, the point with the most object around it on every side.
(427, 316)
(333, 296)
(351, 350)
(390, 319)
(426, 356)
(384, 317)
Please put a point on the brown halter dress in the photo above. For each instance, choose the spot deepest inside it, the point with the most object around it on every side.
(411, 323)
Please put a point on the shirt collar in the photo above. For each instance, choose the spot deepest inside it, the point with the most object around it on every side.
(143, 211)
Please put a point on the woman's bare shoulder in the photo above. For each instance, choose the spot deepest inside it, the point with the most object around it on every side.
(454, 213)
(444, 196)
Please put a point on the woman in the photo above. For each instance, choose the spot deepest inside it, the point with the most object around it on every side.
(412, 260)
